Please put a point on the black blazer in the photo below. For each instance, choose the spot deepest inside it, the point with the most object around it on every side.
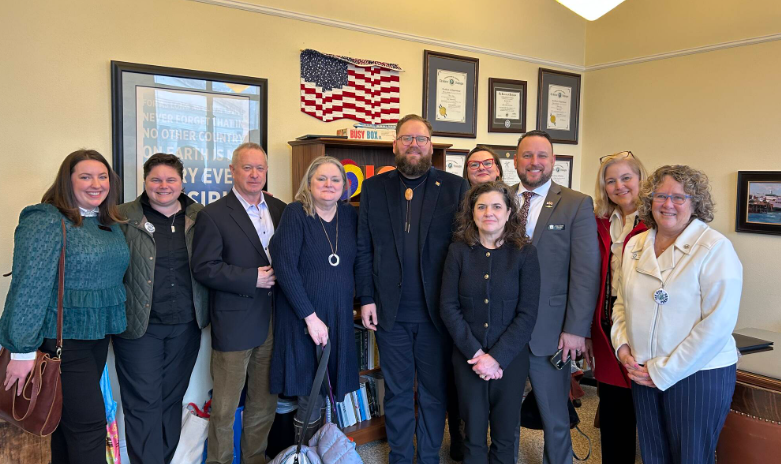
(378, 267)
(226, 255)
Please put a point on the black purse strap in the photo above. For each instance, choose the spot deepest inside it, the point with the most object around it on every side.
(316, 385)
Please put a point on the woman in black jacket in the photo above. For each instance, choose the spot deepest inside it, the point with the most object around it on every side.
(490, 293)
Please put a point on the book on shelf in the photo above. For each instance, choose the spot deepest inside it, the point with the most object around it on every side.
(368, 356)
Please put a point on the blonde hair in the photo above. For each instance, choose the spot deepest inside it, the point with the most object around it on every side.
(603, 206)
(304, 194)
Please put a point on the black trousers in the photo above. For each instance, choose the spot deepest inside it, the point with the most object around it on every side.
(413, 349)
(81, 435)
(617, 425)
(494, 402)
(154, 373)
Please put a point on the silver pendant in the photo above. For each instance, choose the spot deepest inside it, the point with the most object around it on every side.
(333, 259)
(661, 296)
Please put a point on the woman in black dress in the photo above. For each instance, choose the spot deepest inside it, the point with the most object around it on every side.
(313, 254)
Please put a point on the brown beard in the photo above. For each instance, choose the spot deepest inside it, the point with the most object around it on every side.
(543, 178)
(413, 170)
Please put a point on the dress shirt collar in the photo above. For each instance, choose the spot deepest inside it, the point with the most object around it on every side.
(541, 191)
(247, 205)
(88, 212)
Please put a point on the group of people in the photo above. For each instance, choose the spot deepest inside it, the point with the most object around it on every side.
(471, 286)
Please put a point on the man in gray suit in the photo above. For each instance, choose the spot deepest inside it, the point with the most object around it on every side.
(562, 227)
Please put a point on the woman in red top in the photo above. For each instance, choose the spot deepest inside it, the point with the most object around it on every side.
(617, 190)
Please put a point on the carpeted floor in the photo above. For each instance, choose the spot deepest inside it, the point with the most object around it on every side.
(530, 451)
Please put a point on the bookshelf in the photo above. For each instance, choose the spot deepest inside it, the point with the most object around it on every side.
(362, 152)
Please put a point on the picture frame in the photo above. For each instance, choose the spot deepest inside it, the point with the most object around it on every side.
(450, 93)
(454, 161)
(199, 116)
(506, 106)
(758, 208)
(558, 105)
(506, 155)
(562, 170)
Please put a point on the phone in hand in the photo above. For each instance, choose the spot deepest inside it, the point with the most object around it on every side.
(557, 360)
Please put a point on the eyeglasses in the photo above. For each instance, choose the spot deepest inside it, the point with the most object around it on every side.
(676, 199)
(620, 154)
(475, 165)
(407, 139)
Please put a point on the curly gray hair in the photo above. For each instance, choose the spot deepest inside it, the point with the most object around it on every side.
(694, 182)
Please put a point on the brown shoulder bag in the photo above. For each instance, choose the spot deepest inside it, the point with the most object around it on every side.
(38, 409)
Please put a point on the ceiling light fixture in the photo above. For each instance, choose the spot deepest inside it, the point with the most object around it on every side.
(590, 9)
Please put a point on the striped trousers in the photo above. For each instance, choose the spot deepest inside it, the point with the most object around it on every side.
(681, 425)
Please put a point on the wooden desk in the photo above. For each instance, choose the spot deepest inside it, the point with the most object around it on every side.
(752, 432)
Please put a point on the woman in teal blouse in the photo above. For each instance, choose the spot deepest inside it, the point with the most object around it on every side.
(84, 194)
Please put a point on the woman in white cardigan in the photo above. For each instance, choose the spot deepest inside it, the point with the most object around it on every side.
(677, 305)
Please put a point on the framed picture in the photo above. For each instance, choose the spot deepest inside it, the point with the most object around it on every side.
(454, 161)
(506, 106)
(562, 170)
(558, 105)
(759, 202)
(201, 117)
(450, 94)
(507, 159)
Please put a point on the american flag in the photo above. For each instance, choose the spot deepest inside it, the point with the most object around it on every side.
(336, 87)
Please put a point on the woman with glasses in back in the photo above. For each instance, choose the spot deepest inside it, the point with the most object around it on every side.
(482, 165)
(677, 305)
(616, 195)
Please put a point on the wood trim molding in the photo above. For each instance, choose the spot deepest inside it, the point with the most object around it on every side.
(686, 51)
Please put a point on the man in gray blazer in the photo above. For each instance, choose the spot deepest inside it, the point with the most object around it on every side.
(562, 227)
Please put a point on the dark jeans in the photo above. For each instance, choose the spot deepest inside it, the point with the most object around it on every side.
(154, 373)
(81, 436)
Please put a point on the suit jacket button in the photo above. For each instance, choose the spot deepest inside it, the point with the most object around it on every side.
(487, 254)
(486, 325)
(485, 301)
(485, 277)
(269, 293)
(399, 284)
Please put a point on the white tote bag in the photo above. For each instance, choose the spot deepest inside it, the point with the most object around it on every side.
(195, 430)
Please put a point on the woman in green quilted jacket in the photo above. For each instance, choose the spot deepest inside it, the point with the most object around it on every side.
(84, 195)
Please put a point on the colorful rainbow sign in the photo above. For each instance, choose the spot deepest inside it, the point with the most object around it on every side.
(356, 176)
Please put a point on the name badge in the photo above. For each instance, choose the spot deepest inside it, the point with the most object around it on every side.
(556, 227)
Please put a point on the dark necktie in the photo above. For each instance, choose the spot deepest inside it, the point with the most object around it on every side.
(527, 197)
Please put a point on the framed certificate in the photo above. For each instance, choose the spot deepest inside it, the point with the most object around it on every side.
(506, 106)
(450, 94)
(506, 155)
(562, 170)
(558, 105)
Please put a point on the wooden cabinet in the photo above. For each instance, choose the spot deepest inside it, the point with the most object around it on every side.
(377, 154)
(362, 152)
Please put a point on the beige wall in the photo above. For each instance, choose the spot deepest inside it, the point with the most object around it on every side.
(55, 84)
(638, 28)
(715, 111)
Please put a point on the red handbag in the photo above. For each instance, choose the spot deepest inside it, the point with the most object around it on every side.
(39, 408)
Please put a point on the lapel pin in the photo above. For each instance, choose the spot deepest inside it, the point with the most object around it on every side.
(549, 204)
(437, 183)
(149, 227)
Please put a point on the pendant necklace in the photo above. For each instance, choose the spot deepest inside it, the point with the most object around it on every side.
(333, 258)
(173, 228)
(408, 194)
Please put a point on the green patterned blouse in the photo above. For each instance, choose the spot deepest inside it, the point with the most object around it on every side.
(95, 262)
